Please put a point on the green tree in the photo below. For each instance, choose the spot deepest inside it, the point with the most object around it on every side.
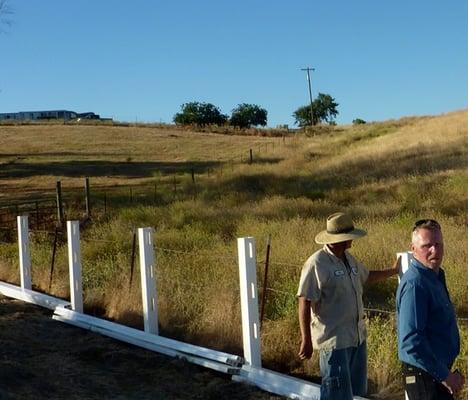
(196, 113)
(247, 115)
(324, 108)
(358, 121)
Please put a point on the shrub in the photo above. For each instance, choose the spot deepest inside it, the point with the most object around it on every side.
(358, 121)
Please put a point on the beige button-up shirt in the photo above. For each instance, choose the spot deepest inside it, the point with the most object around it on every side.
(339, 321)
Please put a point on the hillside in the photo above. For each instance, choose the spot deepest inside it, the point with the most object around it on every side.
(201, 190)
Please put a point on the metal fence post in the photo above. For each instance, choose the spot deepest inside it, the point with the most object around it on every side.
(59, 203)
(249, 301)
(74, 264)
(24, 252)
(148, 280)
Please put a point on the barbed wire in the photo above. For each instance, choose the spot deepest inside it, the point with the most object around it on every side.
(219, 256)
(244, 157)
(222, 257)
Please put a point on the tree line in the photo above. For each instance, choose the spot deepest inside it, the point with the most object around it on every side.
(322, 109)
(243, 116)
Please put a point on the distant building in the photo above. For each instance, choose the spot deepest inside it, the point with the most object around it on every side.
(88, 115)
(52, 114)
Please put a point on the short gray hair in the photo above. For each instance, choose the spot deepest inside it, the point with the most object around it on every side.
(429, 224)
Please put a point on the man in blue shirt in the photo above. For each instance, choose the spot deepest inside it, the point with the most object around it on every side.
(428, 337)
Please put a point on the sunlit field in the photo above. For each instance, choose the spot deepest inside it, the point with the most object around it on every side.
(387, 175)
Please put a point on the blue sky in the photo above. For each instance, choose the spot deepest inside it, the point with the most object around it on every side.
(142, 59)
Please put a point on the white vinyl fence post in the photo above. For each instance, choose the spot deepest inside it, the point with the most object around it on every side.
(148, 280)
(249, 301)
(74, 265)
(24, 252)
(405, 262)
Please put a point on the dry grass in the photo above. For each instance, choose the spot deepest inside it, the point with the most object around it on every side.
(386, 175)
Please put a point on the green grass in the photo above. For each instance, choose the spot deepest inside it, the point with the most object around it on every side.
(386, 175)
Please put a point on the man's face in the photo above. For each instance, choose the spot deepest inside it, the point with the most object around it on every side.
(428, 247)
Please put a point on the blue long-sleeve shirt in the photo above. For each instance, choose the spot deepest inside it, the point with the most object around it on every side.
(428, 336)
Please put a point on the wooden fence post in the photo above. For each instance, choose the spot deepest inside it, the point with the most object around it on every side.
(88, 198)
(36, 204)
(148, 280)
(249, 301)
(74, 264)
(24, 252)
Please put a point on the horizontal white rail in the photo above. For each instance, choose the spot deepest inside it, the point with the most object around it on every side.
(213, 359)
(30, 296)
(187, 348)
(281, 384)
(275, 382)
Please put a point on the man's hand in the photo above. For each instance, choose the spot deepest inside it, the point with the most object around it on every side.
(454, 382)
(306, 350)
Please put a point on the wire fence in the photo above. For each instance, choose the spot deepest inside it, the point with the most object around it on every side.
(169, 183)
(223, 258)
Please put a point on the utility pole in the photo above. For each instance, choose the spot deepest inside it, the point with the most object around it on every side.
(308, 69)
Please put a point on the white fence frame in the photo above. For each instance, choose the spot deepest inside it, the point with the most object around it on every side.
(24, 252)
(74, 264)
(405, 259)
(148, 280)
(249, 301)
(249, 370)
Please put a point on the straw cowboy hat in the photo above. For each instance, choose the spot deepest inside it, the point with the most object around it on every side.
(340, 228)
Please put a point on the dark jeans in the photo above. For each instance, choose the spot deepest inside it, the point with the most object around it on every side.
(419, 385)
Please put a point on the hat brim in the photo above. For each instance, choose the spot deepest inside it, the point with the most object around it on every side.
(328, 238)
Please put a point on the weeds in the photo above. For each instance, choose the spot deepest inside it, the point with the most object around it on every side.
(386, 175)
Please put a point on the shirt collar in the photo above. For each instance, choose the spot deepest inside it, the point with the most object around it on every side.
(427, 271)
(330, 253)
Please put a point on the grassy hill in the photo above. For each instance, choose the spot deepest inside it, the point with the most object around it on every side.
(202, 192)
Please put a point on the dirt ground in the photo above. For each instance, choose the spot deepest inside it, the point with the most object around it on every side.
(45, 359)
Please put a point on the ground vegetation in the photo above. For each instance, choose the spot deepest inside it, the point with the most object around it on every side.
(387, 175)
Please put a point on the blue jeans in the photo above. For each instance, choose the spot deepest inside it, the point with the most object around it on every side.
(344, 373)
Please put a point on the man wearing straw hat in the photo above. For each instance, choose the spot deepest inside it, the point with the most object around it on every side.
(331, 311)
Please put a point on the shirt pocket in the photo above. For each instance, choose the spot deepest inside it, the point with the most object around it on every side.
(338, 281)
